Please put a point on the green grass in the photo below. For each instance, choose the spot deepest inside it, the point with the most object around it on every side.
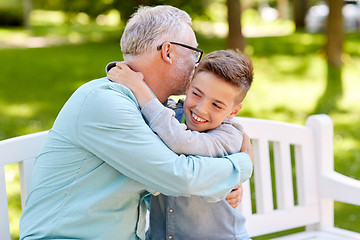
(290, 76)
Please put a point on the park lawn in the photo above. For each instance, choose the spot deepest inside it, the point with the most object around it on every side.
(290, 75)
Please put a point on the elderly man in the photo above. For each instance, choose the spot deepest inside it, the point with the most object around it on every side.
(101, 159)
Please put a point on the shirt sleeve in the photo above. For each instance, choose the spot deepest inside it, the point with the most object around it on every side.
(111, 126)
(219, 142)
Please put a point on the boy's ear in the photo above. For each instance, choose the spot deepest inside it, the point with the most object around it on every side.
(235, 111)
(165, 52)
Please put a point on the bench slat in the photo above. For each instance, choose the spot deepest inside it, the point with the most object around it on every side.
(262, 175)
(4, 213)
(284, 183)
(280, 220)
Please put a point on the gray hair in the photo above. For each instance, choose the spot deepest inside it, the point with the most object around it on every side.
(148, 27)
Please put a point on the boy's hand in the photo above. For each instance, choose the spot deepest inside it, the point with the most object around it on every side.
(247, 147)
(124, 75)
(133, 80)
(235, 196)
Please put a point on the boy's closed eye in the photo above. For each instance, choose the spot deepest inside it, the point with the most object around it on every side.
(217, 106)
(196, 94)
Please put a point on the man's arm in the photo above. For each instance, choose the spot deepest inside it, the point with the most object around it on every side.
(110, 124)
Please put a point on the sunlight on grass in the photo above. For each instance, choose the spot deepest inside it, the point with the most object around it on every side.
(17, 110)
(351, 85)
(277, 90)
(14, 34)
(346, 144)
(112, 18)
(254, 25)
(42, 17)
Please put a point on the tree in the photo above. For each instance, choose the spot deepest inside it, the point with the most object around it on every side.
(299, 11)
(27, 8)
(235, 38)
(282, 6)
(333, 49)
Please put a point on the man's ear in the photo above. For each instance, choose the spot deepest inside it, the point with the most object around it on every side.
(165, 52)
(235, 111)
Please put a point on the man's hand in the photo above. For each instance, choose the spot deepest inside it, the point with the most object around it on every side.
(235, 196)
(247, 147)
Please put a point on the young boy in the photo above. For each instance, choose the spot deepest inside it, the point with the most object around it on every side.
(213, 98)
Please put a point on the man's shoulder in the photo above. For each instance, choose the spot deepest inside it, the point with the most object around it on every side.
(103, 93)
(104, 84)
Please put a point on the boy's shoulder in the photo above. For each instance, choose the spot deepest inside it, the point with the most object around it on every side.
(233, 122)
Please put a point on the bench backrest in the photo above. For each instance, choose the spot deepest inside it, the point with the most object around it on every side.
(22, 150)
(281, 195)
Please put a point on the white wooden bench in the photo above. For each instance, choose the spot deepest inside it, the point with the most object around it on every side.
(285, 154)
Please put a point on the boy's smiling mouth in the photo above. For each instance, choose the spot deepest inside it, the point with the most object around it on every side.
(198, 118)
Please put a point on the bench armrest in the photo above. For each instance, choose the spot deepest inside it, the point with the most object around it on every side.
(340, 188)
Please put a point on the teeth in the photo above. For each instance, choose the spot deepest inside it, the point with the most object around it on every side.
(197, 118)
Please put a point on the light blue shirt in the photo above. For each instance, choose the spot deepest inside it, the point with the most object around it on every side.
(99, 162)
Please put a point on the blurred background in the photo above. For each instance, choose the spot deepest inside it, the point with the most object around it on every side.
(306, 55)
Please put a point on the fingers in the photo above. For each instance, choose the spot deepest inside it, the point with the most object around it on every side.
(233, 202)
(118, 73)
(122, 65)
(235, 196)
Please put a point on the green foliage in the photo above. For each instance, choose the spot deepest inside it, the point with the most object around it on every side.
(11, 13)
(126, 8)
(91, 7)
(95, 7)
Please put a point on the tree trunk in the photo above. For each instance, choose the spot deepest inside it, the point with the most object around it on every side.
(282, 6)
(335, 33)
(27, 8)
(235, 38)
(334, 49)
(300, 8)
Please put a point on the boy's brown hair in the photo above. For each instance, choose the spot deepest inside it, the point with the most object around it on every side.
(232, 66)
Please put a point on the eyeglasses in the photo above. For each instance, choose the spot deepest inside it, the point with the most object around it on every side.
(198, 52)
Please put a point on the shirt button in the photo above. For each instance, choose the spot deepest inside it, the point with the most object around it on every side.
(170, 237)
(171, 210)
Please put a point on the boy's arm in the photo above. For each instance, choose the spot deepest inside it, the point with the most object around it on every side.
(225, 139)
